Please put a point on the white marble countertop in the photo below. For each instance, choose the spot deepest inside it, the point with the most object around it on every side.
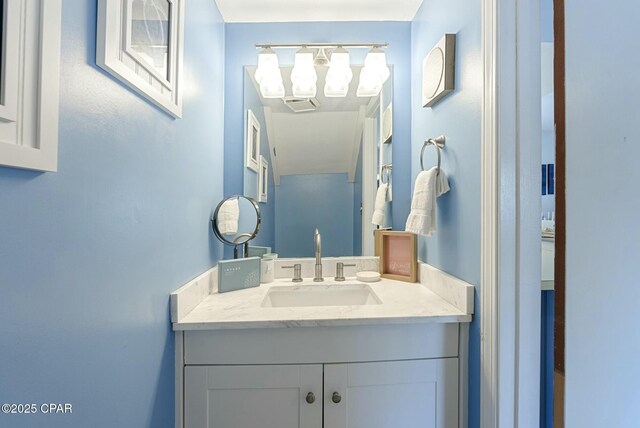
(401, 303)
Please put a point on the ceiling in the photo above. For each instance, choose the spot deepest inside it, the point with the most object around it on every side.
(314, 10)
(317, 143)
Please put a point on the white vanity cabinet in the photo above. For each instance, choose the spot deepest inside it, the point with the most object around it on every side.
(402, 394)
(390, 394)
(253, 396)
(366, 376)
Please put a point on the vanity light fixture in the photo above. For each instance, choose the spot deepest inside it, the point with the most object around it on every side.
(339, 75)
(303, 75)
(268, 74)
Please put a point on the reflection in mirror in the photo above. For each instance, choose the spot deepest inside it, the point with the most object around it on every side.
(150, 32)
(236, 221)
(325, 156)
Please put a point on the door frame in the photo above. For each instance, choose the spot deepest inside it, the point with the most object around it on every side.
(510, 222)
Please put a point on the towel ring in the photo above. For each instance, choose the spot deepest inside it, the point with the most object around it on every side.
(386, 167)
(438, 142)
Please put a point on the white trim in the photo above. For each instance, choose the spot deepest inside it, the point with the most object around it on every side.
(489, 226)
(252, 123)
(11, 49)
(29, 140)
(357, 142)
(263, 180)
(369, 185)
(510, 320)
(113, 55)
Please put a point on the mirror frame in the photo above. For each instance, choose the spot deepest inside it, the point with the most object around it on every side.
(220, 236)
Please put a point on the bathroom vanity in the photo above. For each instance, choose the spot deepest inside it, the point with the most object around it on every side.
(330, 354)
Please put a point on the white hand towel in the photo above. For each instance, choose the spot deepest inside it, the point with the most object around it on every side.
(228, 216)
(380, 204)
(429, 185)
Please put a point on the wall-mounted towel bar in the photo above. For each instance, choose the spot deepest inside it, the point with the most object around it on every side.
(438, 142)
(386, 168)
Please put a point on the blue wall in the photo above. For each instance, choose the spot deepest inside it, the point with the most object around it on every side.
(546, 20)
(301, 207)
(603, 236)
(455, 248)
(89, 255)
(241, 51)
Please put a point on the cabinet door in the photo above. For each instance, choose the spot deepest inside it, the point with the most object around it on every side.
(253, 396)
(395, 394)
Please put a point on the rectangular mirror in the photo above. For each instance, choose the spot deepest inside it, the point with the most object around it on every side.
(325, 158)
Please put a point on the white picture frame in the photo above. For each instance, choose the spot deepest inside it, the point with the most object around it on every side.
(252, 142)
(119, 54)
(263, 181)
(29, 84)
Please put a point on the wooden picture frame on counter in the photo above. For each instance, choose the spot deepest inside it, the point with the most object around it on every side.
(398, 252)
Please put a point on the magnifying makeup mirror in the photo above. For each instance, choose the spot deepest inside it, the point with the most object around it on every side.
(236, 221)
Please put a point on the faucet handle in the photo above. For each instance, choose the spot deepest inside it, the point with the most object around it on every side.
(340, 270)
(297, 272)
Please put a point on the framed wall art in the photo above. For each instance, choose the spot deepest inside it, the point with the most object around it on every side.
(252, 142)
(263, 181)
(140, 42)
(29, 83)
(398, 252)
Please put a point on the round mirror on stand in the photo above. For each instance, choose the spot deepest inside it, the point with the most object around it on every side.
(236, 221)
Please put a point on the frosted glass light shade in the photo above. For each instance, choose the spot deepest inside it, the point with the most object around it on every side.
(376, 64)
(272, 88)
(303, 75)
(336, 87)
(370, 84)
(374, 73)
(268, 66)
(339, 75)
(268, 74)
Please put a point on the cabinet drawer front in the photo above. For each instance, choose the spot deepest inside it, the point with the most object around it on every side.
(307, 345)
(394, 394)
(253, 396)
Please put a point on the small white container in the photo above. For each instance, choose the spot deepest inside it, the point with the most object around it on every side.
(366, 276)
(267, 268)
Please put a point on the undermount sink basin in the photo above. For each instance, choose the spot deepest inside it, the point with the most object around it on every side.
(320, 295)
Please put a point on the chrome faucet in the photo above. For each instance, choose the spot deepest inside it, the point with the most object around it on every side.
(318, 243)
